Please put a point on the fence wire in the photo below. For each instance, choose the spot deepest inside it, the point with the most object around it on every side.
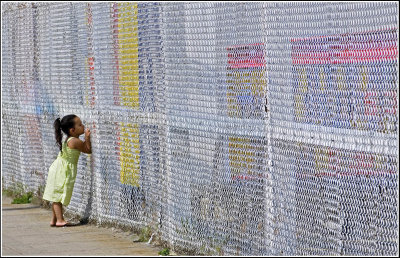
(251, 128)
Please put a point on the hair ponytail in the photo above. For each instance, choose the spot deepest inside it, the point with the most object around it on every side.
(66, 123)
(57, 131)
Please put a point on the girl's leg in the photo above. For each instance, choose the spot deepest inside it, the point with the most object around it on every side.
(59, 215)
(54, 218)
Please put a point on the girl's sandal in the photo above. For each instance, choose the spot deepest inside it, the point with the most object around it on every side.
(65, 225)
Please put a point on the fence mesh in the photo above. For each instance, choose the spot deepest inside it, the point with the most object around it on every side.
(251, 128)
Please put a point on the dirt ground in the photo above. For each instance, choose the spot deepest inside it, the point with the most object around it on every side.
(26, 231)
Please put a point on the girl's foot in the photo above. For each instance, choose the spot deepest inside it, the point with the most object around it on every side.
(53, 223)
(61, 224)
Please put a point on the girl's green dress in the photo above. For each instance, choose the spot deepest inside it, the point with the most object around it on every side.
(62, 174)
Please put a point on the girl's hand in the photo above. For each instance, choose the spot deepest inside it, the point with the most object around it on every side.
(87, 133)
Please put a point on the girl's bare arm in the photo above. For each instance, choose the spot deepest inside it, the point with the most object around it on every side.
(84, 147)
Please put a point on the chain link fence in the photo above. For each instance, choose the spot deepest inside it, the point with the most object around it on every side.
(254, 128)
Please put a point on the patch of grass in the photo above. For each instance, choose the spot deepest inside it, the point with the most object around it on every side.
(25, 198)
(19, 194)
(145, 234)
(219, 250)
(164, 252)
(7, 193)
(16, 189)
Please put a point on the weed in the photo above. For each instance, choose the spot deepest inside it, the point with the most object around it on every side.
(145, 234)
(164, 252)
(40, 190)
(219, 250)
(7, 192)
(16, 189)
(25, 198)
(18, 192)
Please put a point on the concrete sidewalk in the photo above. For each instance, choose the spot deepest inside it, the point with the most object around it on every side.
(26, 231)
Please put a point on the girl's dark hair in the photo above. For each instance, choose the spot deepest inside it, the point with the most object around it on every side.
(66, 123)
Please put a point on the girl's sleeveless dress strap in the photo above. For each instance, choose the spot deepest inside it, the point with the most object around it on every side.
(66, 142)
(70, 138)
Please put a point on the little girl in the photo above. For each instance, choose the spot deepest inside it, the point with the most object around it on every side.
(62, 173)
